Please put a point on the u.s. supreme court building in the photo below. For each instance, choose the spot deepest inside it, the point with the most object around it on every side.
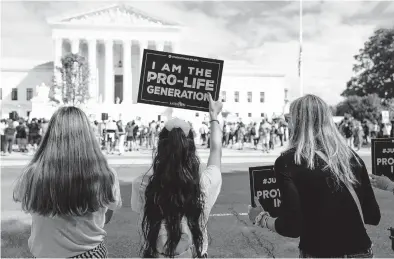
(112, 39)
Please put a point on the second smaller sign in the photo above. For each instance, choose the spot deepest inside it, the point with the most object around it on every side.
(263, 186)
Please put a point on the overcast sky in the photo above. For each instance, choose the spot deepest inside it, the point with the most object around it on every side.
(265, 34)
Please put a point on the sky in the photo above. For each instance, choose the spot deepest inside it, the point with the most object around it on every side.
(265, 34)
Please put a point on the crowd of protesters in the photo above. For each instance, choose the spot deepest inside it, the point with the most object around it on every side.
(359, 133)
(115, 136)
(23, 133)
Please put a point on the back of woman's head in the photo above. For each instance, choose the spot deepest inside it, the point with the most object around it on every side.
(68, 174)
(174, 190)
(313, 129)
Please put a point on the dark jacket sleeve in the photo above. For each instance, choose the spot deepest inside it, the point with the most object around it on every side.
(289, 222)
(369, 206)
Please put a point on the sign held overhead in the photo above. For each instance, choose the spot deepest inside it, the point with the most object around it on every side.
(179, 81)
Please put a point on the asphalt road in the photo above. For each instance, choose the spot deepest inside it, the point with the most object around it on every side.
(231, 233)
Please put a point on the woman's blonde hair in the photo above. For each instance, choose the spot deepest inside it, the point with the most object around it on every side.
(314, 133)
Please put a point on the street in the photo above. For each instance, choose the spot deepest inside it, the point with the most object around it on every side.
(231, 233)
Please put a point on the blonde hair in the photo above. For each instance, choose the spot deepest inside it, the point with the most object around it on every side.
(314, 133)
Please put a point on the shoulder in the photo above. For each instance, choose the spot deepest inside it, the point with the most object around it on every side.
(284, 160)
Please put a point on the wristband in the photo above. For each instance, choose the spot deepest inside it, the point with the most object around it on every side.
(214, 120)
(265, 221)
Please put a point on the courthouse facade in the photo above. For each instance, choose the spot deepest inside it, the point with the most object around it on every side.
(113, 39)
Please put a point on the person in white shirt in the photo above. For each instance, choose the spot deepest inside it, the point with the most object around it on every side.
(3, 125)
(111, 129)
(176, 193)
(69, 190)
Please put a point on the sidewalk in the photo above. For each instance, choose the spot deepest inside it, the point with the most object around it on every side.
(144, 157)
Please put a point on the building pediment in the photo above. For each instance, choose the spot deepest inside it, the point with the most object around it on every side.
(123, 15)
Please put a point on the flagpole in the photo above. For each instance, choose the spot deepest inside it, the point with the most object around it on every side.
(300, 56)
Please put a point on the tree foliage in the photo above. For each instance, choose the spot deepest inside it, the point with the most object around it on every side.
(374, 68)
(366, 107)
(71, 87)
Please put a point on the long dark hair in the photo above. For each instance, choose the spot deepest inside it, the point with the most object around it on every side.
(173, 192)
(68, 175)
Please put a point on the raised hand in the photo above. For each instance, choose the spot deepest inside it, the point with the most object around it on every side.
(215, 107)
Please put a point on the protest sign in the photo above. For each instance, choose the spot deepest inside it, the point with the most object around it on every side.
(263, 186)
(383, 157)
(179, 81)
(385, 117)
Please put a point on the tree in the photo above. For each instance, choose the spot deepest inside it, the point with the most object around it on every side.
(72, 85)
(366, 107)
(374, 70)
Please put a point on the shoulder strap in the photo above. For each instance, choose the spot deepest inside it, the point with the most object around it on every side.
(350, 188)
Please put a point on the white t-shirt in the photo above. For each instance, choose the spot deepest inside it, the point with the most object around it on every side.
(211, 183)
(2, 127)
(63, 237)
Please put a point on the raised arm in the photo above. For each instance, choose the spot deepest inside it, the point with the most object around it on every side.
(215, 154)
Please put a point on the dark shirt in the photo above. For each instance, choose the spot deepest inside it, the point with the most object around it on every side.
(326, 219)
(34, 129)
(21, 131)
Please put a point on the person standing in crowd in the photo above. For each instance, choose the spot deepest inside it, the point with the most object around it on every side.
(203, 133)
(111, 132)
(174, 199)
(255, 135)
(130, 135)
(375, 129)
(382, 182)
(21, 136)
(358, 135)
(264, 135)
(9, 133)
(34, 137)
(69, 189)
(386, 130)
(120, 136)
(152, 134)
(348, 131)
(241, 136)
(366, 130)
(281, 132)
(96, 131)
(232, 135)
(226, 134)
(322, 181)
(272, 134)
(3, 125)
